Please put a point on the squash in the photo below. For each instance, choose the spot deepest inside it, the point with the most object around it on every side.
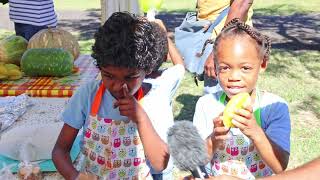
(12, 49)
(55, 38)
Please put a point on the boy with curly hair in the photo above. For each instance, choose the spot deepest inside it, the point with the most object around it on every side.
(118, 136)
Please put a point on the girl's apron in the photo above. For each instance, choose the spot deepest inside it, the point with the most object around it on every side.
(238, 156)
(112, 149)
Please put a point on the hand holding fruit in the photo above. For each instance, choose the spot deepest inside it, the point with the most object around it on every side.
(220, 132)
(239, 113)
(244, 120)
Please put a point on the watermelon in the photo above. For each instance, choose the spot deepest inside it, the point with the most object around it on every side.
(12, 48)
(47, 62)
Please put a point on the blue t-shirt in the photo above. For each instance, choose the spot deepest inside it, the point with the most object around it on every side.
(275, 119)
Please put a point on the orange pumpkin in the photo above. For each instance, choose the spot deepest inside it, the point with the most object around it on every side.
(55, 38)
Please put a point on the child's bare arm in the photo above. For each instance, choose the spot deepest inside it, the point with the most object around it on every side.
(155, 148)
(273, 156)
(61, 152)
(173, 51)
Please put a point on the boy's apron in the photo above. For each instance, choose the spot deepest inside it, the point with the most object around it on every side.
(239, 157)
(112, 149)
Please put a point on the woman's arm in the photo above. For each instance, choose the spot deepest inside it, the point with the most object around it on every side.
(61, 152)
(239, 9)
(309, 171)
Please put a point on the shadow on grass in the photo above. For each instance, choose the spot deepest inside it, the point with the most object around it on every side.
(171, 19)
(286, 62)
(86, 27)
(293, 32)
(279, 9)
(311, 104)
(188, 102)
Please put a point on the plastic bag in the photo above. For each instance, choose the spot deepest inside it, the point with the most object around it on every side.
(11, 108)
(5, 173)
(28, 170)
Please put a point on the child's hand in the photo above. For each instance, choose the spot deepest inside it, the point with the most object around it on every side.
(161, 24)
(220, 132)
(244, 120)
(129, 106)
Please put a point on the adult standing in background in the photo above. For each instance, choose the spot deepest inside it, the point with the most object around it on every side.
(108, 7)
(31, 16)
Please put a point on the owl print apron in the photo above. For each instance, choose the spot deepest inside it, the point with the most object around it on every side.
(238, 156)
(112, 149)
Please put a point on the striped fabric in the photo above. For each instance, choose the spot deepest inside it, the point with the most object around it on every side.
(33, 12)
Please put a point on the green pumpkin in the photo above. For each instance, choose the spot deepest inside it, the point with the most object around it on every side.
(12, 49)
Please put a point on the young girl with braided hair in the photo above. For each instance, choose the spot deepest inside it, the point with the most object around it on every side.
(259, 144)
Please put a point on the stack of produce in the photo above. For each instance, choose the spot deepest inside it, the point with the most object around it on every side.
(10, 72)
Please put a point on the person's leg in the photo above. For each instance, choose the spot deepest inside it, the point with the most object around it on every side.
(211, 85)
(163, 176)
(157, 176)
(27, 30)
(19, 28)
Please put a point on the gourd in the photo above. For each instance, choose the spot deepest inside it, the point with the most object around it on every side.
(55, 38)
(12, 49)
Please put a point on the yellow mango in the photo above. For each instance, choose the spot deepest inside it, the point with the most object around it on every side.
(11, 66)
(14, 72)
(2, 76)
(235, 103)
(15, 77)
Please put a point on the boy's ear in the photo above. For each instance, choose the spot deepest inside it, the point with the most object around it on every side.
(263, 66)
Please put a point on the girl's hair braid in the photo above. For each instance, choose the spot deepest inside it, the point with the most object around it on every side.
(237, 27)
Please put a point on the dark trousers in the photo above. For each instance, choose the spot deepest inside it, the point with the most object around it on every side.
(157, 176)
(27, 30)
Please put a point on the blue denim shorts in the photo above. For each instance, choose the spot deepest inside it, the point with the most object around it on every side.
(27, 30)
